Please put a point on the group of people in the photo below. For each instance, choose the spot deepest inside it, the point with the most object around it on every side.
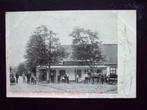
(93, 77)
(100, 78)
(29, 78)
(89, 77)
(14, 78)
(63, 78)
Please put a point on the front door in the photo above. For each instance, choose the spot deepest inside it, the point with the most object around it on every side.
(43, 75)
(62, 74)
(53, 75)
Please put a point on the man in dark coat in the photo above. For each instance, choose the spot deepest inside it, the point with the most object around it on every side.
(17, 76)
(102, 78)
(59, 77)
(28, 77)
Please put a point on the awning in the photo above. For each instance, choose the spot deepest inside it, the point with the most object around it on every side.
(69, 67)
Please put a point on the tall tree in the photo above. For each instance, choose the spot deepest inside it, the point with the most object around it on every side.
(43, 48)
(86, 47)
(35, 52)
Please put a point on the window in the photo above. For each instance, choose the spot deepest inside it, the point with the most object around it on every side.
(112, 70)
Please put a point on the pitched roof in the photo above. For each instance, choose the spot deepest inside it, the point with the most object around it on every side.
(108, 50)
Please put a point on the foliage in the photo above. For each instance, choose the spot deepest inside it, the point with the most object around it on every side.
(43, 48)
(21, 69)
(86, 47)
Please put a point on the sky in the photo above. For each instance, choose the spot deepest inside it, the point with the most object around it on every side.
(21, 25)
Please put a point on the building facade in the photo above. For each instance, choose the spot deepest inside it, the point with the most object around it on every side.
(74, 69)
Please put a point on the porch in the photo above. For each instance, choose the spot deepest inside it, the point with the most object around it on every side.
(58, 72)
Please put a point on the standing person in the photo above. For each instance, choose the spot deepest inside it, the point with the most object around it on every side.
(93, 77)
(63, 79)
(33, 79)
(23, 75)
(105, 75)
(58, 78)
(86, 77)
(52, 77)
(89, 76)
(77, 78)
(102, 78)
(28, 77)
(67, 78)
(16, 76)
(12, 79)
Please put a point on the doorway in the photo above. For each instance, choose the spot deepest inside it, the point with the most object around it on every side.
(53, 76)
(43, 75)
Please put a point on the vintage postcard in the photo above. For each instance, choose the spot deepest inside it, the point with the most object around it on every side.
(71, 54)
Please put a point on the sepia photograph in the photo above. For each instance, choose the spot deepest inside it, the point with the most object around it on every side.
(71, 54)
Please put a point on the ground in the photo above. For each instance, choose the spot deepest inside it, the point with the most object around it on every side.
(63, 87)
